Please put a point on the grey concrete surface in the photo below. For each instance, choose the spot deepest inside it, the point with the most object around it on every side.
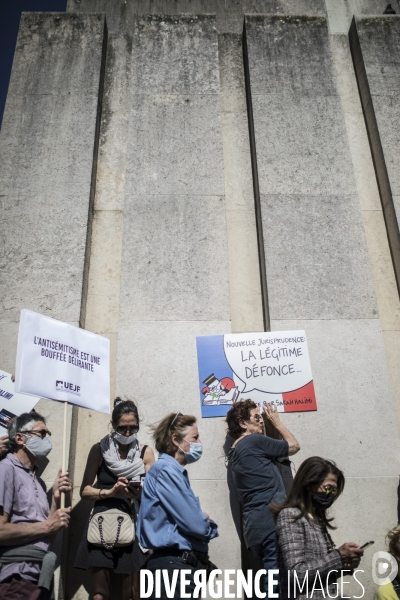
(374, 45)
(302, 145)
(316, 257)
(46, 159)
(111, 164)
(311, 217)
(174, 271)
(180, 145)
(172, 256)
(229, 13)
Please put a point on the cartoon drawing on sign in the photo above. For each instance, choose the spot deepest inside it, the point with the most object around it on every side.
(219, 391)
(267, 367)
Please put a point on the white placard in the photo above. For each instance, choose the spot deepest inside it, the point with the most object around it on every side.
(266, 367)
(61, 362)
(11, 403)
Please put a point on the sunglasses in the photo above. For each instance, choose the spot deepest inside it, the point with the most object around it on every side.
(124, 430)
(175, 418)
(38, 432)
(328, 489)
(257, 417)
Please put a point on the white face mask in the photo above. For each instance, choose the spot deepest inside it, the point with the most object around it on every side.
(123, 439)
(37, 446)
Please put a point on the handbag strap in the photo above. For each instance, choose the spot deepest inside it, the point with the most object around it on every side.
(100, 520)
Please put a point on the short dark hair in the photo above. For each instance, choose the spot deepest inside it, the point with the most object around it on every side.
(19, 424)
(123, 407)
(240, 411)
(310, 475)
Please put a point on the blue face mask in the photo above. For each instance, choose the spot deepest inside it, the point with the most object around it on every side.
(195, 452)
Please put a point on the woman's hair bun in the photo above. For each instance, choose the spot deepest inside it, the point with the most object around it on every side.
(118, 400)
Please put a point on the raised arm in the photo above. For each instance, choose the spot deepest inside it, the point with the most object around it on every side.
(273, 416)
(148, 458)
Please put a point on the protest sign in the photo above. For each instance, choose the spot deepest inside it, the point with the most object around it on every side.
(61, 362)
(11, 403)
(270, 367)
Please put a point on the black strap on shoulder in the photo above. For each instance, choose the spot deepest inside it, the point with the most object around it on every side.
(143, 450)
(396, 586)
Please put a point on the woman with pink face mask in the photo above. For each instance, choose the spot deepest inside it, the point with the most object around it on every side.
(118, 464)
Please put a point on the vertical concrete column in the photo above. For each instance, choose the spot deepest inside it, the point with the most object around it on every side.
(244, 266)
(48, 152)
(374, 42)
(174, 277)
(102, 307)
(317, 266)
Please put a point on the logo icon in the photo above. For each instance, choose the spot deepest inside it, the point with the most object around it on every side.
(66, 386)
(384, 567)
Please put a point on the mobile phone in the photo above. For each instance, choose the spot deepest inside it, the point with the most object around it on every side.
(366, 545)
(135, 485)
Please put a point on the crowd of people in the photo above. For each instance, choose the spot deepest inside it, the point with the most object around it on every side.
(146, 515)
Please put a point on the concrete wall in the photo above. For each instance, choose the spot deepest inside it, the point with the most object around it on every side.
(48, 151)
(175, 240)
(172, 155)
(317, 264)
(229, 13)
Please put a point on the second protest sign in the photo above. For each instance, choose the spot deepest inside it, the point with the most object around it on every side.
(61, 362)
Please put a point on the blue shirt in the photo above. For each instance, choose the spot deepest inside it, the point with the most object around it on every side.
(170, 513)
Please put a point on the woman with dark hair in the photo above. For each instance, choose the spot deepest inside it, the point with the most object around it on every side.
(118, 464)
(171, 521)
(307, 556)
(256, 476)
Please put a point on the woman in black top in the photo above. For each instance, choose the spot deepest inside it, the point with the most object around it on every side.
(113, 462)
(256, 477)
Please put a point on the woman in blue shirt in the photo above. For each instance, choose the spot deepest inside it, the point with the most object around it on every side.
(171, 521)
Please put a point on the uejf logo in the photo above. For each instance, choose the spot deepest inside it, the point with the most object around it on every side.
(66, 386)
(384, 567)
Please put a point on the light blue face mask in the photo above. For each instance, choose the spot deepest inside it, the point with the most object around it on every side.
(195, 452)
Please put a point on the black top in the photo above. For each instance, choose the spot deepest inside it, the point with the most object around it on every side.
(106, 480)
(258, 482)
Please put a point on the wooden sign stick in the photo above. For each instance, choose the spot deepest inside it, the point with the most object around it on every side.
(64, 450)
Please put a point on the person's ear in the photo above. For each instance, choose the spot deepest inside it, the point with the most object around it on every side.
(242, 425)
(19, 439)
(175, 440)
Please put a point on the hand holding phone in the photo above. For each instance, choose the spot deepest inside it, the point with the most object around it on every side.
(134, 485)
(366, 545)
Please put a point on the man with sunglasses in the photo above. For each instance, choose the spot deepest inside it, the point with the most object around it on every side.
(27, 523)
